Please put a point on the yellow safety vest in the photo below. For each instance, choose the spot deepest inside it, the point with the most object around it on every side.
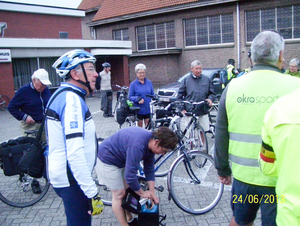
(247, 101)
(281, 135)
(229, 71)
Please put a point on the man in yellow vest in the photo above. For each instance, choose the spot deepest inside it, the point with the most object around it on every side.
(242, 107)
(280, 158)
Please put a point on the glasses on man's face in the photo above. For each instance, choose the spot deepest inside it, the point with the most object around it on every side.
(91, 69)
(293, 66)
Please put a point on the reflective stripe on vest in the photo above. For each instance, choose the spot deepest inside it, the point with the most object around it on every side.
(248, 138)
(243, 161)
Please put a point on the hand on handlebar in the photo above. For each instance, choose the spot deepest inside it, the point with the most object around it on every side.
(209, 102)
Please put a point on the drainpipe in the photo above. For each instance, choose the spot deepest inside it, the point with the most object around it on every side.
(238, 34)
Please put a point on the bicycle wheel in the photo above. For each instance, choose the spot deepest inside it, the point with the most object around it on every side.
(16, 190)
(4, 101)
(189, 195)
(128, 122)
(103, 190)
(200, 143)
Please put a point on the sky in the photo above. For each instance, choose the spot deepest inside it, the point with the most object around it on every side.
(59, 3)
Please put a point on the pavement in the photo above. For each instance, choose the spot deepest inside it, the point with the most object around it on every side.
(50, 210)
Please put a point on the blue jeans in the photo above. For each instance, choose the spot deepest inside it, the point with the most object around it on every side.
(246, 200)
(106, 101)
(76, 205)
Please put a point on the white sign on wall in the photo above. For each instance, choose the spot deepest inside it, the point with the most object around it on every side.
(5, 55)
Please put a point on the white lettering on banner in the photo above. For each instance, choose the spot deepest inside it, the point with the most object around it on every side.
(5, 55)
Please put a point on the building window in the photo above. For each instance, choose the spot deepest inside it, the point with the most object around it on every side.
(285, 20)
(121, 34)
(209, 30)
(23, 68)
(93, 33)
(156, 36)
(64, 35)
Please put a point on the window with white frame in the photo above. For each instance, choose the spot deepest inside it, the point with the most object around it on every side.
(209, 30)
(156, 36)
(285, 20)
(121, 34)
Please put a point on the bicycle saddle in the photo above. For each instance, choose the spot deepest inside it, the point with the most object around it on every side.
(134, 108)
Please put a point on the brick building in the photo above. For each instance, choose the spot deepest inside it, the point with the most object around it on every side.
(168, 35)
(35, 36)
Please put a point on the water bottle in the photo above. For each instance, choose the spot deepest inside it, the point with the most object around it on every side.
(129, 103)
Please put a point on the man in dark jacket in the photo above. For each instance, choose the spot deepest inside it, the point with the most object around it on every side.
(28, 104)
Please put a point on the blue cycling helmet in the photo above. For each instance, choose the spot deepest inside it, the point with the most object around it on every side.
(106, 64)
(70, 60)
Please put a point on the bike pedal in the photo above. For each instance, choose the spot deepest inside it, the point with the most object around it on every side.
(160, 188)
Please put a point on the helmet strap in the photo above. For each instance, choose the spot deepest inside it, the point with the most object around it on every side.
(87, 83)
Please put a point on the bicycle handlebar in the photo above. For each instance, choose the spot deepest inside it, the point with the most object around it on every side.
(121, 87)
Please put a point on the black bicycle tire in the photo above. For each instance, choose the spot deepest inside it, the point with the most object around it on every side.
(4, 106)
(185, 188)
(29, 203)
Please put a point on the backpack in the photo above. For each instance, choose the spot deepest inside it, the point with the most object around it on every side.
(223, 76)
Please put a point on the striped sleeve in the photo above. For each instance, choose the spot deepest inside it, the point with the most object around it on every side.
(267, 157)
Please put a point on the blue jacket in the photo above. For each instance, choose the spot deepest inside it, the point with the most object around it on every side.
(126, 148)
(138, 91)
(28, 101)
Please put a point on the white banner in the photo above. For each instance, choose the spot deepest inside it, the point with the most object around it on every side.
(5, 55)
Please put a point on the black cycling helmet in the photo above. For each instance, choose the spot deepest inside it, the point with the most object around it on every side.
(106, 64)
(231, 61)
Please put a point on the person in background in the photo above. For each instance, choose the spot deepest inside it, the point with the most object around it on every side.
(72, 139)
(197, 87)
(29, 103)
(232, 72)
(138, 90)
(279, 156)
(28, 106)
(119, 158)
(294, 68)
(242, 107)
(106, 91)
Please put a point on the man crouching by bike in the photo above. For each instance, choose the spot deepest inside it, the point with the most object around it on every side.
(119, 159)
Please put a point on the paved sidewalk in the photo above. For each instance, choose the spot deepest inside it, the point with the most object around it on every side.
(50, 210)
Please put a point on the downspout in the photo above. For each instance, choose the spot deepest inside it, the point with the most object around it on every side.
(238, 34)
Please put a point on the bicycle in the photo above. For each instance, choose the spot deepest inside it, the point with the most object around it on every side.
(122, 95)
(16, 190)
(4, 101)
(171, 116)
(192, 181)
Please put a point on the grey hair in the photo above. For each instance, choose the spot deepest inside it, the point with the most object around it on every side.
(139, 67)
(195, 63)
(295, 60)
(266, 47)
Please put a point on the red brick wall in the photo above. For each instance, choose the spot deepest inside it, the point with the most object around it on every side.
(31, 25)
(6, 81)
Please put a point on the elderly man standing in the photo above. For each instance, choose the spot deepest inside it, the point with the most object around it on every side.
(72, 138)
(242, 107)
(197, 87)
(28, 104)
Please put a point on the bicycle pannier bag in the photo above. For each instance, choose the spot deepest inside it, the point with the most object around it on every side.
(33, 160)
(149, 215)
(131, 202)
(11, 152)
(201, 109)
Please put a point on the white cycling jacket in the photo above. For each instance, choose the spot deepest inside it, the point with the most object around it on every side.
(72, 141)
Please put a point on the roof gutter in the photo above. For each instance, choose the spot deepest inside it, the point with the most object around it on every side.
(159, 11)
